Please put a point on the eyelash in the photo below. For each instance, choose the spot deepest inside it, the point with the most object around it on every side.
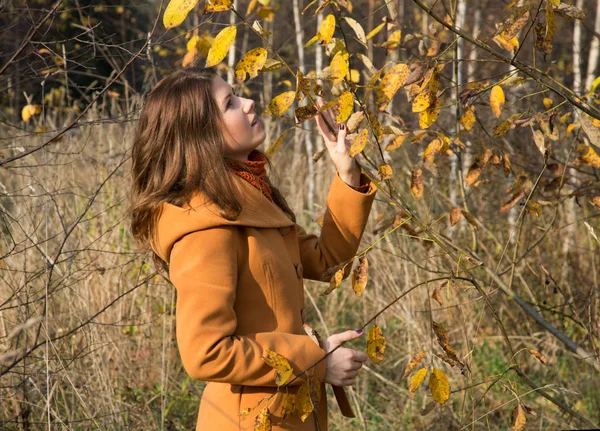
(229, 101)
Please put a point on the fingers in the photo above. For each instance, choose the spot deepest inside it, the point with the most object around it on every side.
(341, 139)
(344, 336)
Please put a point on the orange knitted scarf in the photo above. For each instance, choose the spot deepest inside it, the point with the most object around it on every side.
(256, 164)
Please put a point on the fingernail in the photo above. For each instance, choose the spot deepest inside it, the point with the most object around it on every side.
(342, 126)
(360, 331)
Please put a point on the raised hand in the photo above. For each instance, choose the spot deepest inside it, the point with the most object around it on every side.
(338, 148)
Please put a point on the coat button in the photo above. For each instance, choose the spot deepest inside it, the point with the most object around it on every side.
(284, 230)
(299, 270)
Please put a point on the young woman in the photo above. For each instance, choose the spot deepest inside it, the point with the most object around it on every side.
(229, 242)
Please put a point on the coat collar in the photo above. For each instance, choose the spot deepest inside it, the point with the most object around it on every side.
(176, 222)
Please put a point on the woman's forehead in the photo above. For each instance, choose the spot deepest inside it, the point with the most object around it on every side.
(220, 88)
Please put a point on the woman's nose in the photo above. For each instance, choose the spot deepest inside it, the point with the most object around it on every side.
(249, 105)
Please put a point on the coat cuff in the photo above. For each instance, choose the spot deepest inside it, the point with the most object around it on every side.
(316, 353)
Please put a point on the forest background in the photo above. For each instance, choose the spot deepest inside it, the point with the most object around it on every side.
(478, 119)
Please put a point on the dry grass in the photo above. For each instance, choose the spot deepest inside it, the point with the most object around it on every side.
(113, 364)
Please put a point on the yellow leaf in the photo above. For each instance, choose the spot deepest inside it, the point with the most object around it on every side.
(416, 184)
(277, 143)
(355, 121)
(177, 11)
(432, 149)
(280, 364)
(360, 276)
(416, 380)
(422, 101)
(358, 30)
(455, 215)
(335, 281)
(29, 111)
(359, 142)
(393, 41)
(592, 131)
(548, 102)
(538, 356)
(326, 29)
(345, 107)
(497, 100)
(304, 113)
(385, 172)
(375, 30)
(308, 397)
(288, 406)
(518, 419)
(398, 140)
(440, 333)
(412, 364)
(281, 103)
(439, 386)
(251, 63)
(390, 84)
(477, 167)
(468, 119)
(375, 344)
(246, 411)
(216, 5)
(428, 117)
(221, 45)
(263, 420)
(587, 156)
(596, 201)
(338, 68)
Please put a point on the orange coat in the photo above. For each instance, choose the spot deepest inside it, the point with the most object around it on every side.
(240, 291)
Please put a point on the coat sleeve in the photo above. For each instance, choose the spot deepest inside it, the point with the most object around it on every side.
(206, 280)
(343, 225)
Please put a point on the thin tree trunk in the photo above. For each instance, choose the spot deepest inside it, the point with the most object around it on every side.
(319, 146)
(577, 53)
(594, 51)
(304, 132)
(231, 55)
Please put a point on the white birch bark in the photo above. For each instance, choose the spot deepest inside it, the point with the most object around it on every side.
(594, 51)
(304, 132)
(577, 53)
(231, 55)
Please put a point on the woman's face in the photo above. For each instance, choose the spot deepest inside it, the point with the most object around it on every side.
(243, 131)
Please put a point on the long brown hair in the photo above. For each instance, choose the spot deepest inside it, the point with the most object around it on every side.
(178, 150)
